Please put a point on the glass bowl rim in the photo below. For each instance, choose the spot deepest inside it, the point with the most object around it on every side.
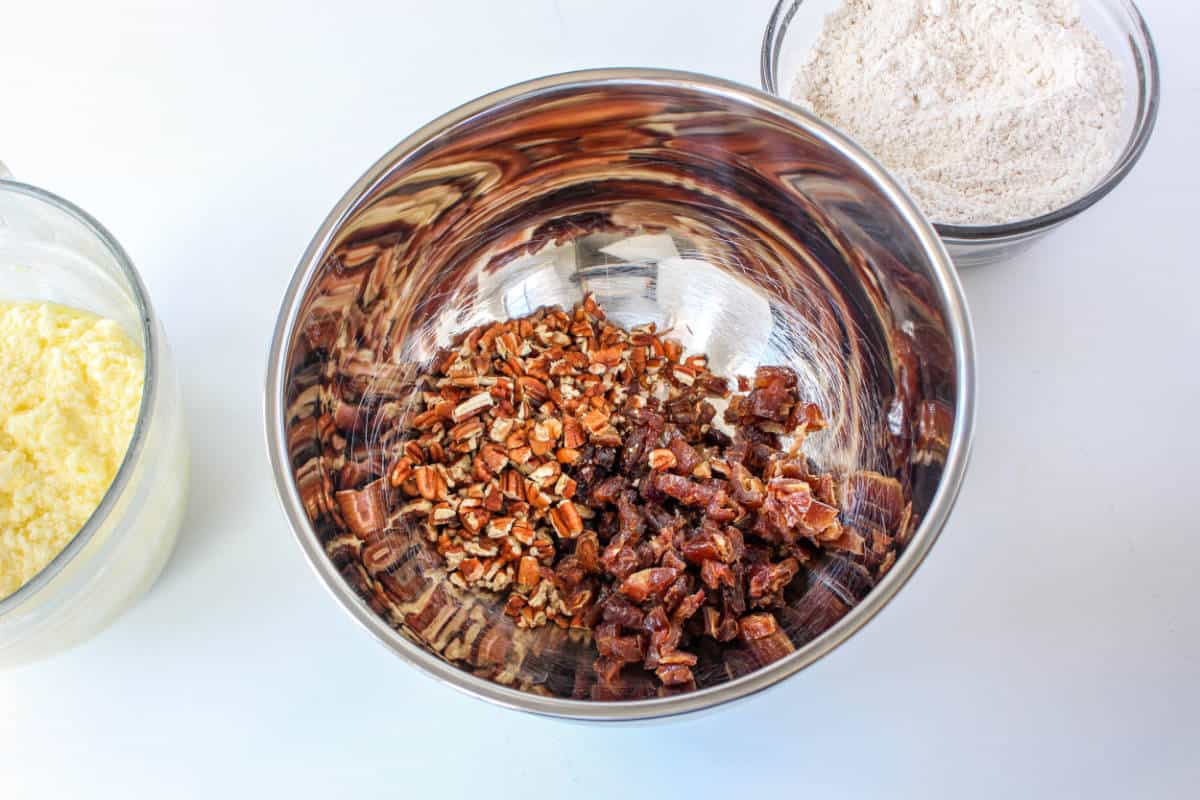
(1148, 82)
(137, 440)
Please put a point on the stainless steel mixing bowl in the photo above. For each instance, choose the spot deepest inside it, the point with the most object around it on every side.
(754, 231)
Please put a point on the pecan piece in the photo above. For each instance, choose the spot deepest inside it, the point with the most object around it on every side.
(528, 573)
(574, 436)
(494, 458)
(431, 484)
(401, 471)
(472, 406)
(522, 531)
(566, 521)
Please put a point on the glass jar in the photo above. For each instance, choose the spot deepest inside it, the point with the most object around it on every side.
(52, 251)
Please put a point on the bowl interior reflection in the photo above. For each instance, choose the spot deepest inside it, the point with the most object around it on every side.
(713, 213)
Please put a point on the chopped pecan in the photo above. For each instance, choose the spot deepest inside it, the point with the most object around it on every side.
(528, 573)
(566, 521)
(574, 436)
(534, 389)
(494, 457)
(522, 531)
(471, 569)
(472, 406)
(401, 471)
(431, 484)
(466, 430)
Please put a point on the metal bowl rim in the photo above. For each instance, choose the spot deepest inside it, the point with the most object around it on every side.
(957, 320)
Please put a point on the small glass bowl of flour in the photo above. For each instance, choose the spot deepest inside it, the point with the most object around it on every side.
(1002, 118)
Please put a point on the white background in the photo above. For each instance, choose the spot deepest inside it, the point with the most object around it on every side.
(1049, 647)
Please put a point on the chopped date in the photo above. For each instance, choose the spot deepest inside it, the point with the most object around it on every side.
(714, 574)
(768, 403)
(674, 674)
(686, 491)
(647, 583)
(756, 626)
(767, 580)
(766, 376)
(608, 490)
(788, 499)
(688, 606)
(712, 544)
(670, 558)
(687, 459)
(619, 610)
(620, 561)
(673, 596)
(587, 551)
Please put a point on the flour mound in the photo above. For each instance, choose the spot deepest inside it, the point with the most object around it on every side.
(989, 111)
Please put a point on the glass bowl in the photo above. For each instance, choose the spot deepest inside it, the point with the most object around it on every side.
(52, 251)
(795, 25)
(755, 232)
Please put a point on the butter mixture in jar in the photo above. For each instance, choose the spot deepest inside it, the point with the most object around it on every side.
(70, 391)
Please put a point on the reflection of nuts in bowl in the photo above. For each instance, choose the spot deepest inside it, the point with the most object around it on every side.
(749, 230)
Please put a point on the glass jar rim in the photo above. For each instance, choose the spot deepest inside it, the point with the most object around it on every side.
(137, 440)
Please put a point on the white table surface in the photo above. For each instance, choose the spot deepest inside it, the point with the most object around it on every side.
(1049, 647)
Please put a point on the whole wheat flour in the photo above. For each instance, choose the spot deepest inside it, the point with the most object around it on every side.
(989, 111)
